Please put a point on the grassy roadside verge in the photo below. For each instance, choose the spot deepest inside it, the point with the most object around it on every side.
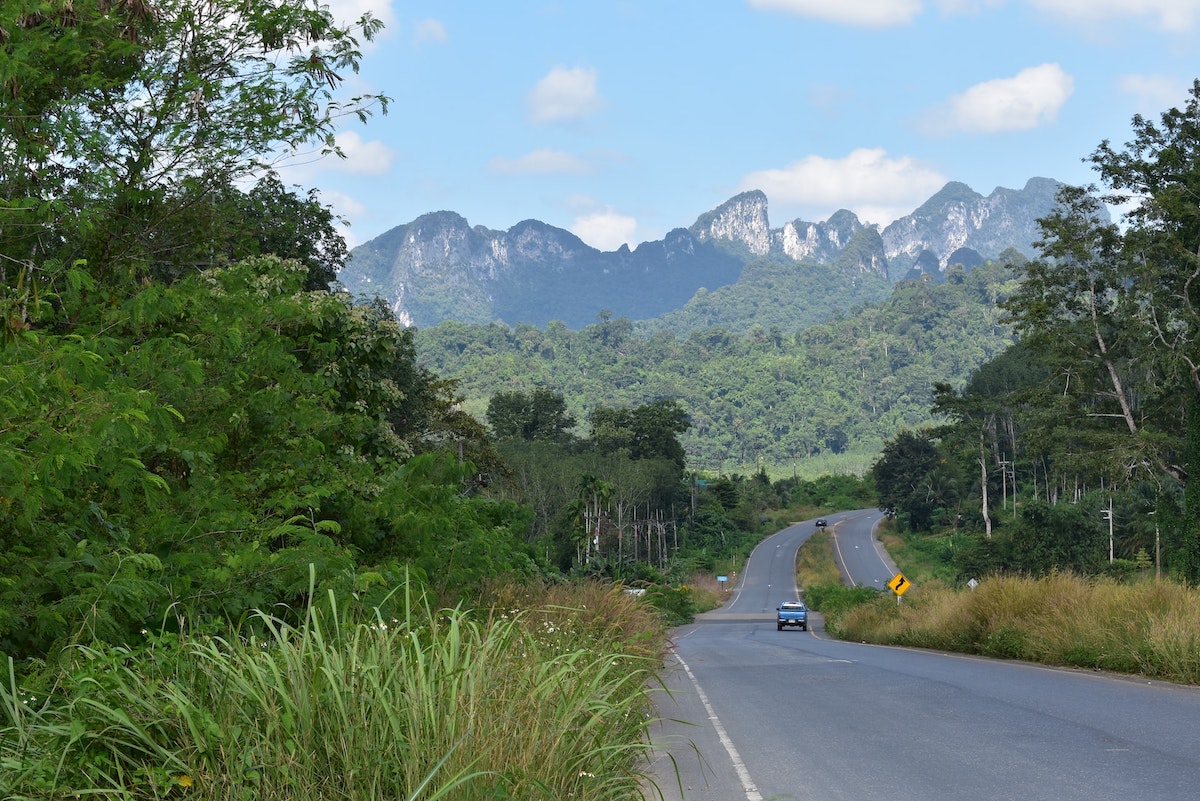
(539, 694)
(1145, 627)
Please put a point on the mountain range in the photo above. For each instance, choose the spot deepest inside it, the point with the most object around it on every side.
(439, 268)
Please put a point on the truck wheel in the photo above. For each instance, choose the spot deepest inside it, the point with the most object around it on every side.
(779, 627)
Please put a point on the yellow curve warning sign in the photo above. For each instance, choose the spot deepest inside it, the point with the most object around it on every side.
(899, 584)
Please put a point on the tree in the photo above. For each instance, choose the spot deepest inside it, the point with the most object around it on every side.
(906, 479)
(537, 416)
(612, 430)
(269, 219)
(649, 431)
(119, 121)
(1118, 309)
(200, 444)
(1080, 312)
(1159, 173)
(1160, 168)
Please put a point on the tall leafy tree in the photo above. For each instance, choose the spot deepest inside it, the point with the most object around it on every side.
(229, 224)
(537, 416)
(649, 431)
(1079, 309)
(908, 481)
(1158, 172)
(119, 120)
(1118, 309)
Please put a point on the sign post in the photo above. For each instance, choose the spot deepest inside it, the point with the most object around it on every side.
(899, 585)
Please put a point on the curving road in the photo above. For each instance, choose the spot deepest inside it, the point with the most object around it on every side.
(752, 713)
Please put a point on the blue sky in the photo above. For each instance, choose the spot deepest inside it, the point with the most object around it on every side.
(620, 120)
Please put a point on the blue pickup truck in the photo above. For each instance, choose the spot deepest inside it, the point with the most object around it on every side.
(791, 613)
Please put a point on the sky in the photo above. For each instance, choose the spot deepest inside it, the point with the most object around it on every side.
(620, 120)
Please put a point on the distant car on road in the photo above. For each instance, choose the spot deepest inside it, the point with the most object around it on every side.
(791, 613)
(821, 522)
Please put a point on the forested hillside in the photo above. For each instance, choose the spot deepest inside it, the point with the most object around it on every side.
(772, 397)
(774, 293)
(1092, 420)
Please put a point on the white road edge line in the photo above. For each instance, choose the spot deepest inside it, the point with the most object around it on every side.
(752, 793)
(837, 546)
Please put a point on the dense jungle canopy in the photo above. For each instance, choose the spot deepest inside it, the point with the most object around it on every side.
(193, 426)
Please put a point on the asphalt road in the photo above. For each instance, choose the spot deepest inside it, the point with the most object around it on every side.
(752, 713)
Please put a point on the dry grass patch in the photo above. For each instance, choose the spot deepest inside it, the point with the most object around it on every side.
(707, 592)
(815, 563)
(1061, 619)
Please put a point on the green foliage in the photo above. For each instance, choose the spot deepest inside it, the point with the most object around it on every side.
(271, 219)
(198, 445)
(348, 703)
(777, 398)
(191, 445)
(644, 432)
(454, 540)
(908, 481)
(1046, 538)
(95, 172)
(832, 492)
(1188, 554)
(540, 415)
(833, 600)
(724, 491)
(674, 603)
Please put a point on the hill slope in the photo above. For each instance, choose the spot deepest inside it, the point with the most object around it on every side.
(769, 398)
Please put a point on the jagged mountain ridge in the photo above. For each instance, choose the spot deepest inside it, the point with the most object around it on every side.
(438, 267)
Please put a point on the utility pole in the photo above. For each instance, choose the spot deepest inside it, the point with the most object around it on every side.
(1109, 515)
(1157, 549)
(1004, 483)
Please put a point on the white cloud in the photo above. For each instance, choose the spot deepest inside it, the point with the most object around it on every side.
(363, 157)
(967, 6)
(542, 161)
(1154, 94)
(1176, 16)
(565, 95)
(430, 30)
(606, 230)
(346, 207)
(876, 188)
(869, 13)
(1030, 98)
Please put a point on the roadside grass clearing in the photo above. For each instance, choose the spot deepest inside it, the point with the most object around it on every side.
(537, 693)
(1142, 627)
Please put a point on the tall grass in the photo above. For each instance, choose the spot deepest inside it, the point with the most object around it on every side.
(542, 697)
(815, 564)
(1148, 628)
